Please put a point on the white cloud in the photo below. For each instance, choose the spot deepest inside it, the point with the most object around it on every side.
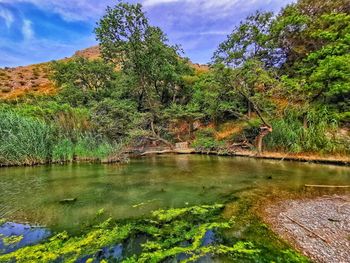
(27, 29)
(85, 10)
(213, 5)
(70, 10)
(7, 16)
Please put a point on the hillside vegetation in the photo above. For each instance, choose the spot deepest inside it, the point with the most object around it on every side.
(279, 82)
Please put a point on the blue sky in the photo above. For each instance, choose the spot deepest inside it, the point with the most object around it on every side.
(34, 31)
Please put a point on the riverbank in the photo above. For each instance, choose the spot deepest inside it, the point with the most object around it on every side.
(303, 157)
(317, 227)
(280, 156)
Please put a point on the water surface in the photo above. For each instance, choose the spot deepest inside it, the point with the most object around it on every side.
(33, 194)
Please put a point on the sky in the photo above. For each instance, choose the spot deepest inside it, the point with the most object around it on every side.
(34, 31)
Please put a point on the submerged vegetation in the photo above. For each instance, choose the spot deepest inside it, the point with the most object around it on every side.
(185, 234)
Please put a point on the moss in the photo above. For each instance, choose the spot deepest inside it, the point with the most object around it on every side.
(11, 240)
(2, 221)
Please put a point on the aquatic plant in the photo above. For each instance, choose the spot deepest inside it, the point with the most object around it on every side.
(24, 140)
(64, 248)
(182, 234)
(169, 233)
(11, 240)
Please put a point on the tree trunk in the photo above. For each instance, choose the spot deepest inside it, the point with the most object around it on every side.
(264, 130)
(249, 110)
(158, 138)
(305, 122)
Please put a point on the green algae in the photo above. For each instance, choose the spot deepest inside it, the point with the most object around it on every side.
(64, 248)
(11, 240)
(174, 234)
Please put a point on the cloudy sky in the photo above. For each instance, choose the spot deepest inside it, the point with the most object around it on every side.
(33, 31)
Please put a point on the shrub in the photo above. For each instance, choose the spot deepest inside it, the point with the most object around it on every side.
(5, 89)
(205, 140)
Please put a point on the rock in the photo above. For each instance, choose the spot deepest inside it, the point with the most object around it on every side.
(68, 201)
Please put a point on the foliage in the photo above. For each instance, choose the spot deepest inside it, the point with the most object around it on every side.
(250, 40)
(143, 89)
(291, 135)
(115, 118)
(205, 140)
(83, 80)
(127, 39)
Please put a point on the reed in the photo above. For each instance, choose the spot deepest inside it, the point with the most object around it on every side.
(24, 141)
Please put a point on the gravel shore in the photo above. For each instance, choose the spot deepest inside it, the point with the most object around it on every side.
(319, 228)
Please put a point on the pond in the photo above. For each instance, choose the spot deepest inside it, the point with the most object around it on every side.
(35, 194)
(69, 197)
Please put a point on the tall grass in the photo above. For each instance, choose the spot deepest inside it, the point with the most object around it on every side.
(289, 133)
(29, 141)
(24, 141)
(87, 146)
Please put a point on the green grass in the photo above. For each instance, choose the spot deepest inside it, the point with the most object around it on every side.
(23, 140)
(28, 141)
(289, 134)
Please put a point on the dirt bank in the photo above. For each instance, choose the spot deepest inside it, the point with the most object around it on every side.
(319, 228)
(303, 157)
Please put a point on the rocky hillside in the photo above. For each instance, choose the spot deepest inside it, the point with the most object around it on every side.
(15, 82)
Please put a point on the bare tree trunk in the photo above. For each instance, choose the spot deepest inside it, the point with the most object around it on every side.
(158, 138)
(264, 130)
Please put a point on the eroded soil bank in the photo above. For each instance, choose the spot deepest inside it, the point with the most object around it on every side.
(317, 227)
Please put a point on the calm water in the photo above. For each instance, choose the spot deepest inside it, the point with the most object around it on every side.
(131, 190)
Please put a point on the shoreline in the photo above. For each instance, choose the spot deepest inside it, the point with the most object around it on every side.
(318, 227)
(279, 156)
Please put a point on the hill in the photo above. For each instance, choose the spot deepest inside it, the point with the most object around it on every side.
(35, 79)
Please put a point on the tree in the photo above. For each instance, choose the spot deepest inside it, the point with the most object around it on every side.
(253, 83)
(215, 98)
(143, 51)
(316, 51)
(82, 80)
(250, 40)
(243, 61)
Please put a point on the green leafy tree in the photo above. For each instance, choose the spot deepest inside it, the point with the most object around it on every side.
(143, 51)
(82, 80)
(250, 40)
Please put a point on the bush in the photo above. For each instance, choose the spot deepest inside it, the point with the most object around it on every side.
(5, 89)
(205, 140)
